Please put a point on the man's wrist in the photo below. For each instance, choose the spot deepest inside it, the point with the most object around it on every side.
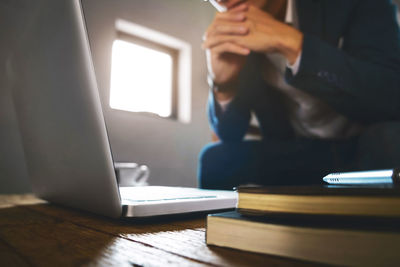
(296, 65)
(222, 88)
(222, 92)
(292, 46)
(224, 96)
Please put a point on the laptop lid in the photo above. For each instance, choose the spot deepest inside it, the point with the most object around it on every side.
(54, 89)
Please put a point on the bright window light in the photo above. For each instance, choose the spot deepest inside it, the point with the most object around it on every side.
(141, 79)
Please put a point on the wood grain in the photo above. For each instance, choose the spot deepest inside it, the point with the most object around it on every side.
(185, 237)
(9, 257)
(37, 233)
(49, 241)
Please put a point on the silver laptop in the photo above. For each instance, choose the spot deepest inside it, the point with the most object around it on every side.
(63, 132)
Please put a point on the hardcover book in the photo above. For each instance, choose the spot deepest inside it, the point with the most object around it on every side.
(321, 200)
(348, 242)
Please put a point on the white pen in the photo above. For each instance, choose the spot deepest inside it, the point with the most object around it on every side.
(389, 176)
(217, 5)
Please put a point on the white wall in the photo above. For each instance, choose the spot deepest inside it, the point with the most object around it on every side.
(169, 147)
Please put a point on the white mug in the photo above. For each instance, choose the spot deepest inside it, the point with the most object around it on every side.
(131, 174)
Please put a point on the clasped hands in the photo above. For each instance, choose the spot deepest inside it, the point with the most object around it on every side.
(244, 28)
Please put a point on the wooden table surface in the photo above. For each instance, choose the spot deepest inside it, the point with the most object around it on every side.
(36, 233)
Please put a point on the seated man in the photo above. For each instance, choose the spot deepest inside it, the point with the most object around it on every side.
(322, 78)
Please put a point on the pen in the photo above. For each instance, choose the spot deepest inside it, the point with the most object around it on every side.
(217, 5)
(388, 176)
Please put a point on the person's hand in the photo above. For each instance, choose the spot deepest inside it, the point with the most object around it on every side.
(225, 59)
(265, 35)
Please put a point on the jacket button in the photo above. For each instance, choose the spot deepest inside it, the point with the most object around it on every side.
(322, 74)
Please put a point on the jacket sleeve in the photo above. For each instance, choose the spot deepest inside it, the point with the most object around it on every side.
(232, 124)
(361, 80)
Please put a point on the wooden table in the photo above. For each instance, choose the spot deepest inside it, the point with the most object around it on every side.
(36, 233)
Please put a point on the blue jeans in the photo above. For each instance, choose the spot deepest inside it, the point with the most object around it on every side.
(299, 161)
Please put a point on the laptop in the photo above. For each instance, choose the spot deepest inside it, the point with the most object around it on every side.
(63, 132)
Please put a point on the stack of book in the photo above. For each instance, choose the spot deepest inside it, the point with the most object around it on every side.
(327, 224)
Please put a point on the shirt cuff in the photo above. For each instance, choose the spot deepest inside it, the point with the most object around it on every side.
(223, 104)
(296, 65)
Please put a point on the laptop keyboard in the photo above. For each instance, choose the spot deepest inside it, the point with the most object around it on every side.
(146, 194)
(166, 199)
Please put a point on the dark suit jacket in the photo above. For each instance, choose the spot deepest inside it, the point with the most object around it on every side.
(360, 80)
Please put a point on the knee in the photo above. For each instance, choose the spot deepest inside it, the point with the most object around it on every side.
(209, 164)
(379, 146)
(208, 153)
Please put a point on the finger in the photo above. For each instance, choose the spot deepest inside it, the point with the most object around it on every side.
(225, 29)
(217, 40)
(230, 48)
(239, 7)
(230, 16)
(228, 28)
(235, 4)
(254, 13)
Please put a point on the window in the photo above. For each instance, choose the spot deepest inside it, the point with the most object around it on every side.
(150, 72)
(141, 79)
